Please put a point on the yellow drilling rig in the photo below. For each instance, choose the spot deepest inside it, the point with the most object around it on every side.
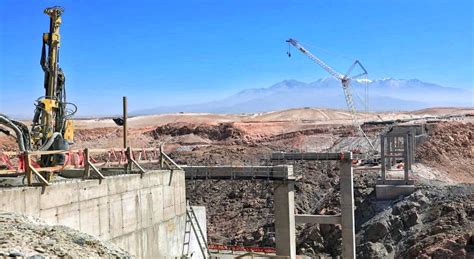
(52, 127)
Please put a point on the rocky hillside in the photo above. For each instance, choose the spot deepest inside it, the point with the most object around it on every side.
(436, 221)
(450, 148)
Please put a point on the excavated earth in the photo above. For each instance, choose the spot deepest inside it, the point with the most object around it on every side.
(437, 221)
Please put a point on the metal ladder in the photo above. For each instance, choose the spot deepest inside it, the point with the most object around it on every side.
(187, 236)
(192, 223)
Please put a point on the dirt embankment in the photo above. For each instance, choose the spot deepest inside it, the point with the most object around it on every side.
(220, 132)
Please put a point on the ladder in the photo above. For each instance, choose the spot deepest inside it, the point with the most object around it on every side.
(187, 237)
(192, 226)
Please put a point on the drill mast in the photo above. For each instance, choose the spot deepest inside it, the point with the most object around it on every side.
(51, 128)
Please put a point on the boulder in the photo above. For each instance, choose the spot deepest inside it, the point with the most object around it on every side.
(376, 231)
(372, 250)
(410, 218)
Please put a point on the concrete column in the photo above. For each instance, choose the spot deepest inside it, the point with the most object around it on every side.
(387, 148)
(347, 210)
(406, 157)
(412, 141)
(284, 196)
(382, 156)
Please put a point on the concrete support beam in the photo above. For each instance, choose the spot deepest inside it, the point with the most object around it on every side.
(284, 196)
(318, 219)
(394, 191)
(347, 210)
(279, 172)
(346, 219)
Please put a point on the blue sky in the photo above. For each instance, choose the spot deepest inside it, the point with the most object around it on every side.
(175, 52)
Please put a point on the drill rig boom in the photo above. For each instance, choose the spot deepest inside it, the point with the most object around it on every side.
(51, 124)
(52, 127)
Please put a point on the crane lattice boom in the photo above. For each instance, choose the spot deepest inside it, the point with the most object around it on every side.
(345, 80)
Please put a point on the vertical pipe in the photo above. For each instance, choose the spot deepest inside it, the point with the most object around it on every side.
(125, 131)
(347, 208)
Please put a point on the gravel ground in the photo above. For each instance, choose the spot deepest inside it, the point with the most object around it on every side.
(25, 236)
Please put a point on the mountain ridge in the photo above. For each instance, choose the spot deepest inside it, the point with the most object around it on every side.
(387, 94)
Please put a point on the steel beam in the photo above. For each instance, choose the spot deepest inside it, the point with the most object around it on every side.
(311, 156)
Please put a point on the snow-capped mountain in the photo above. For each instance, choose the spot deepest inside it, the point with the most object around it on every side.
(386, 94)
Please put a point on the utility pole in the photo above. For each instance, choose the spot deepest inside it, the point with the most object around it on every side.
(125, 133)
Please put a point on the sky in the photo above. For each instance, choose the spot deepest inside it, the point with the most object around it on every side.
(161, 53)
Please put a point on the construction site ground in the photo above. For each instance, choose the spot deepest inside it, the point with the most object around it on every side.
(30, 237)
(436, 221)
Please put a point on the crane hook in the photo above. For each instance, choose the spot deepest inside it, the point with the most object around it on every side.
(289, 51)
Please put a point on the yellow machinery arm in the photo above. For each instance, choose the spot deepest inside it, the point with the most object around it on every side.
(52, 39)
(52, 128)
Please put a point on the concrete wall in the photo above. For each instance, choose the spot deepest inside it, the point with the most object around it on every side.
(144, 215)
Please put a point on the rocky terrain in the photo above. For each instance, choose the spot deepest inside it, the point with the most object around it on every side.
(26, 236)
(436, 221)
(240, 213)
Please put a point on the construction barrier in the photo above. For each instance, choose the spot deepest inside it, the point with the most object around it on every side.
(17, 163)
(231, 248)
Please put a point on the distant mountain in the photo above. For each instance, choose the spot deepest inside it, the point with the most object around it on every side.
(384, 95)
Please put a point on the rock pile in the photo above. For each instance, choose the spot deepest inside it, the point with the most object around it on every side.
(430, 223)
(25, 236)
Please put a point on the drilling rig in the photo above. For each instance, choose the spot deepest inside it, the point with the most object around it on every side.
(346, 86)
(52, 127)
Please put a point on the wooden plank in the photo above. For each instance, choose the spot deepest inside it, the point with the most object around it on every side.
(43, 181)
(171, 160)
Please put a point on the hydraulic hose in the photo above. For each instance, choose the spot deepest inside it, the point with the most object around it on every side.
(4, 120)
(50, 142)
